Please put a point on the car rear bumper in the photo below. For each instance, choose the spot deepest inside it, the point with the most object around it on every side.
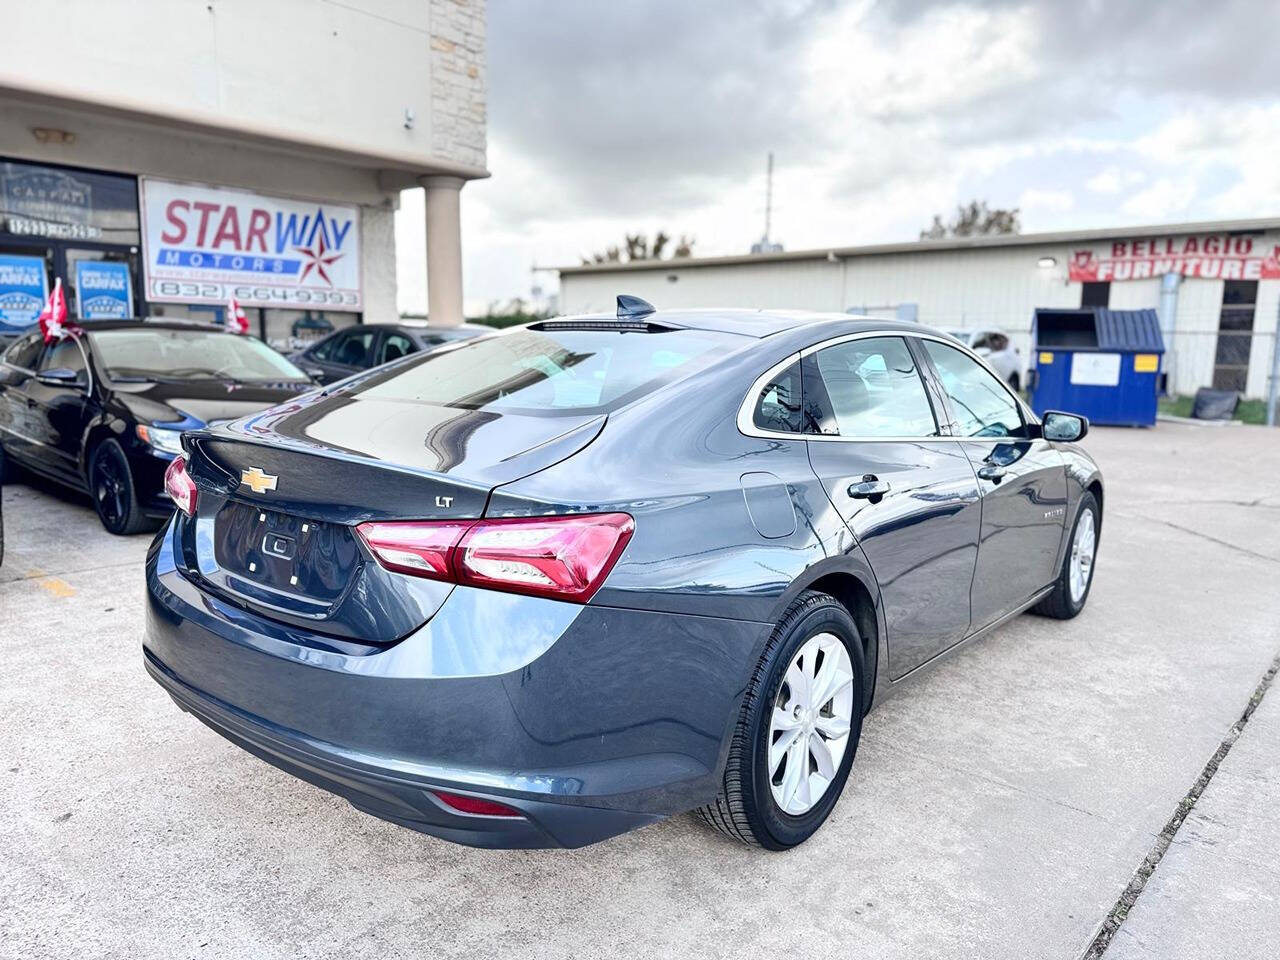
(399, 796)
(589, 721)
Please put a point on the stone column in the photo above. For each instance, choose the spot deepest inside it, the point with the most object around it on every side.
(444, 250)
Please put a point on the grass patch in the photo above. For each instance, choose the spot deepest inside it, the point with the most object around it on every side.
(1249, 411)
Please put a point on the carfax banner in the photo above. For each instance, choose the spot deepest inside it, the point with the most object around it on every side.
(1212, 256)
(204, 244)
(24, 287)
(103, 290)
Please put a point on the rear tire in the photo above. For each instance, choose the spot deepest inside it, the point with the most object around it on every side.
(1068, 598)
(111, 487)
(763, 800)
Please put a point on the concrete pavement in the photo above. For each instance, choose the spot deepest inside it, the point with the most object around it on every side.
(998, 806)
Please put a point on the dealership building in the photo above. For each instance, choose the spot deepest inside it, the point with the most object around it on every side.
(165, 157)
(1215, 285)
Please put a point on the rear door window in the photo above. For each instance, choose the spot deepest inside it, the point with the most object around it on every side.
(394, 346)
(873, 389)
(551, 371)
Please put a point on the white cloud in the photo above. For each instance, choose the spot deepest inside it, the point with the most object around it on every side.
(881, 114)
(1114, 180)
(1033, 200)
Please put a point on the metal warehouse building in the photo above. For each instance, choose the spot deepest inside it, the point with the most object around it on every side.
(1216, 286)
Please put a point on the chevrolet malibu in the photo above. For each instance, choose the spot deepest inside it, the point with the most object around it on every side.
(548, 586)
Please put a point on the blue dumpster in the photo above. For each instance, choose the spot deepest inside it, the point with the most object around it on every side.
(1104, 364)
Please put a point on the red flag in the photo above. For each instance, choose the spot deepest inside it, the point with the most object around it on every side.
(53, 318)
(237, 322)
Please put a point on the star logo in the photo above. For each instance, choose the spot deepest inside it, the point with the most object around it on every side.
(316, 257)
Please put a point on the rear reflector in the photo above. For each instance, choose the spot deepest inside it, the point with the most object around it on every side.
(475, 805)
(180, 487)
(565, 557)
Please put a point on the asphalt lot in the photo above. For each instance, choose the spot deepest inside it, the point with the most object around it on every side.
(998, 807)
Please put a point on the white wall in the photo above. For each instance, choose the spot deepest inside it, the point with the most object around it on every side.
(312, 71)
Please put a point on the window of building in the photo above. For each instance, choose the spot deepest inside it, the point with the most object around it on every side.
(1095, 294)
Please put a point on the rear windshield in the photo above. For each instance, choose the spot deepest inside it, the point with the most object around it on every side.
(550, 371)
(189, 355)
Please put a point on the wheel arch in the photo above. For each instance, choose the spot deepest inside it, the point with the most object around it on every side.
(850, 581)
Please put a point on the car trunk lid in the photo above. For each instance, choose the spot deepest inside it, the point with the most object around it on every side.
(281, 493)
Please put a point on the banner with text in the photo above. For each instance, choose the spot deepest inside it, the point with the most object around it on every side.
(103, 290)
(206, 244)
(24, 287)
(1212, 256)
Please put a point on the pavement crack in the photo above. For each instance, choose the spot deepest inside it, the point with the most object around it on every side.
(1203, 536)
(1120, 912)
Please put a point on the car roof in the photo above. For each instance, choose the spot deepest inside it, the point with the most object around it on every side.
(92, 326)
(757, 323)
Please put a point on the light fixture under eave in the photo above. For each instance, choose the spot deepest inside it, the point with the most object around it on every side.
(1044, 263)
(50, 135)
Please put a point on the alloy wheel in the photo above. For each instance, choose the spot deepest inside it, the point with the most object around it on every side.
(809, 730)
(109, 489)
(1083, 545)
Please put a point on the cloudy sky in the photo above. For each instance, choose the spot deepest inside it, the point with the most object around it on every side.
(612, 117)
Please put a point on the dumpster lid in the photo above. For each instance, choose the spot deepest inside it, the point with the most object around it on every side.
(1097, 328)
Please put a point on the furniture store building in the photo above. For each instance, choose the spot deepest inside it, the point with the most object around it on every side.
(1215, 285)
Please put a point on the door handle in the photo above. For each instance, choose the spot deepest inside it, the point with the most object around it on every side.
(992, 471)
(870, 487)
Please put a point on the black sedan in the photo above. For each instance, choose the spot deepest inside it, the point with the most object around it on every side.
(368, 345)
(103, 413)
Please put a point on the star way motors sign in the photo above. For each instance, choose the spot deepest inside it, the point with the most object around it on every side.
(204, 244)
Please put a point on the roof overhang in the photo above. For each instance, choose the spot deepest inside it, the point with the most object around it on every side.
(836, 254)
(399, 167)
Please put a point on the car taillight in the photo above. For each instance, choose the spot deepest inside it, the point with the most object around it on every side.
(180, 487)
(566, 558)
(423, 548)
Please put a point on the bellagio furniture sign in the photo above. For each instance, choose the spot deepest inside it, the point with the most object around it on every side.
(204, 244)
(1211, 256)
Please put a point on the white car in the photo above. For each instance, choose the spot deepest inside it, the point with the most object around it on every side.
(996, 348)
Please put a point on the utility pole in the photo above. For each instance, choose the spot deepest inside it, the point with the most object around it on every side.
(764, 244)
(768, 197)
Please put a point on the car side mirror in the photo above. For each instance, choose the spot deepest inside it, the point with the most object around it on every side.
(1066, 427)
(60, 377)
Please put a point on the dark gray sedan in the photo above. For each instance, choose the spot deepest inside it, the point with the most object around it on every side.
(562, 582)
(366, 345)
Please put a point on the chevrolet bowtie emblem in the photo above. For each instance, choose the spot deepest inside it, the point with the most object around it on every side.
(257, 481)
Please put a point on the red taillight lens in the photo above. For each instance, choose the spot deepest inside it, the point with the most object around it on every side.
(423, 548)
(475, 805)
(180, 487)
(562, 557)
